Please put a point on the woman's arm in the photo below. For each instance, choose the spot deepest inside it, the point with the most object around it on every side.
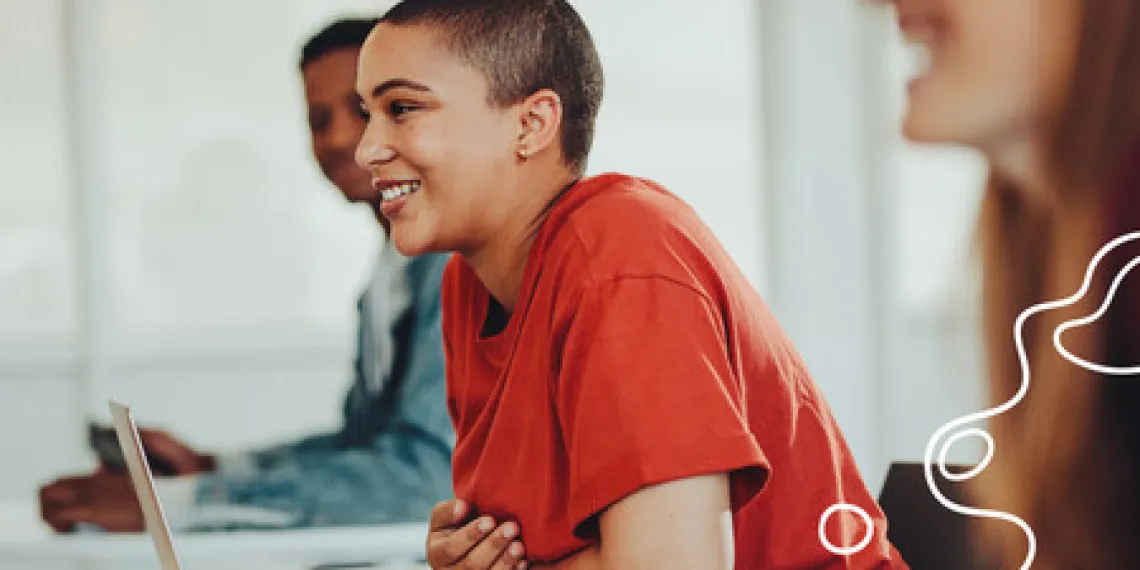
(681, 525)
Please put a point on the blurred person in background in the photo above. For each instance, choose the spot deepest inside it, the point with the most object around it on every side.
(391, 459)
(1049, 92)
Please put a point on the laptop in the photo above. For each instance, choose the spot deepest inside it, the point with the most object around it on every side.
(143, 481)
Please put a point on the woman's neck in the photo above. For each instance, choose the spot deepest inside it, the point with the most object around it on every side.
(500, 264)
(1024, 163)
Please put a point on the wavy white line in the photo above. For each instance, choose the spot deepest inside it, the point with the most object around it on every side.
(1023, 361)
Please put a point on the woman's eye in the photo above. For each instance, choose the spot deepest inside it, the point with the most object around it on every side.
(397, 108)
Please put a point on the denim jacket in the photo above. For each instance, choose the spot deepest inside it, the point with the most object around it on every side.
(391, 459)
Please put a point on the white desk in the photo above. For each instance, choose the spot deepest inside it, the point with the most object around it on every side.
(26, 543)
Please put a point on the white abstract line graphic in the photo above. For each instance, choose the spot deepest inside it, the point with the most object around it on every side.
(1025, 377)
(846, 550)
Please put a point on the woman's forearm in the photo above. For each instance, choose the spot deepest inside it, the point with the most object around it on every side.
(677, 525)
(587, 559)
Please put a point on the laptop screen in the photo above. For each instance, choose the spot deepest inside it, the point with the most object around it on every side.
(143, 482)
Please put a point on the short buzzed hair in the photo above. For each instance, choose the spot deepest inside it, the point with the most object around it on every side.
(343, 33)
(521, 47)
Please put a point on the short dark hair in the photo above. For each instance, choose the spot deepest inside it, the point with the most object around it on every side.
(343, 33)
(521, 47)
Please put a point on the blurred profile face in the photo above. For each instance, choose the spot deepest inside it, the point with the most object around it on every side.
(336, 121)
(992, 72)
(443, 158)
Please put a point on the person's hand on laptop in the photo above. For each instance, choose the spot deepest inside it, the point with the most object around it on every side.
(104, 499)
(176, 457)
(458, 541)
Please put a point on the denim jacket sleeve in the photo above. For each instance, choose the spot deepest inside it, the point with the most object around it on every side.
(394, 474)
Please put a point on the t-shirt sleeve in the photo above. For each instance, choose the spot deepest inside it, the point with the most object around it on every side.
(646, 395)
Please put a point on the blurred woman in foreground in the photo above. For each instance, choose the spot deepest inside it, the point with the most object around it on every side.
(1049, 92)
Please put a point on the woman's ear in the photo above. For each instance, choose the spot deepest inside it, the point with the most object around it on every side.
(540, 120)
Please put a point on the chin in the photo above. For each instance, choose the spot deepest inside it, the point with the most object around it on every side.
(915, 128)
(917, 134)
(924, 129)
(940, 120)
(409, 243)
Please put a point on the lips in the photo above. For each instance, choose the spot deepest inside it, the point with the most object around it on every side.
(392, 195)
(393, 191)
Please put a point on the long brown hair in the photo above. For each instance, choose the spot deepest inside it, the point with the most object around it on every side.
(1067, 458)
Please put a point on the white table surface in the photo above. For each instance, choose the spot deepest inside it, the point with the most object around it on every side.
(26, 542)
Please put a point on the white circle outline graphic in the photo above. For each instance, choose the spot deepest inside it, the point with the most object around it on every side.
(845, 550)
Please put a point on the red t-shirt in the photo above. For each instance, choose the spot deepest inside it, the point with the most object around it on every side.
(637, 354)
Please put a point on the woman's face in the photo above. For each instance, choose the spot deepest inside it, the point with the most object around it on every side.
(441, 158)
(993, 72)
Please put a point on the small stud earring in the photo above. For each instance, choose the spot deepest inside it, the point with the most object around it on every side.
(524, 152)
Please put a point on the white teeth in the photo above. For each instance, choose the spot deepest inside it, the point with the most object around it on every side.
(393, 192)
(920, 58)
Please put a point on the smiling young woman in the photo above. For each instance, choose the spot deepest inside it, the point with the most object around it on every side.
(619, 390)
